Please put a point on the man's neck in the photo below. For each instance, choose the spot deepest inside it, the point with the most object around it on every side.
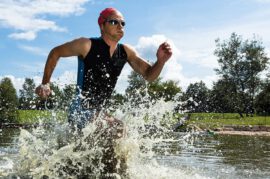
(110, 42)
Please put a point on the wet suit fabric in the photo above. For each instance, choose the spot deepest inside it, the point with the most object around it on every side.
(97, 77)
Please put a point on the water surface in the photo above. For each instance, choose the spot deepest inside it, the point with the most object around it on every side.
(182, 155)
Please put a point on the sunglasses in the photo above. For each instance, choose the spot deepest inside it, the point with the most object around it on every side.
(115, 22)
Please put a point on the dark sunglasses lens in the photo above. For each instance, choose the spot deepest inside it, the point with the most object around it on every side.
(113, 22)
(116, 22)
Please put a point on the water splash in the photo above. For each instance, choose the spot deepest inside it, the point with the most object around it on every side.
(59, 152)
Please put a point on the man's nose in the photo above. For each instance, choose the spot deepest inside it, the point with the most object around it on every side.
(120, 25)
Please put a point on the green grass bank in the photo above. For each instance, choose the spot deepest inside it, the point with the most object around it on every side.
(220, 120)
(203, 120)
(40, 116)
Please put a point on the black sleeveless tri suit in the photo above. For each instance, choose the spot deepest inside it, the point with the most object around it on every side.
(97, 76)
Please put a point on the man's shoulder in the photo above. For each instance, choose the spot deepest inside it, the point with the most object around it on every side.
(82, 40)
(83, 45)
(129, 49)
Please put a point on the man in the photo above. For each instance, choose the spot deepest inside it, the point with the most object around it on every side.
(100, 63)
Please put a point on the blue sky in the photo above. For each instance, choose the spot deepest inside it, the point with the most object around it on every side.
(29, 29)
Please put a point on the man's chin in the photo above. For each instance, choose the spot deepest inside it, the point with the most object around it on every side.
(118, 37)
(120, 33)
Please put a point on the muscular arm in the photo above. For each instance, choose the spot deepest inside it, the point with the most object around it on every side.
(149, 73)
(77, 47)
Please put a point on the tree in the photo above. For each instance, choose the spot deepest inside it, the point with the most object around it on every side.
(27, 99)
(116, 100)
(196, 97)
(136, 90)
(222, 97)
(262, 101)
(68, 94)
(166, 90)
(139, 90)
(8, 101)
(171, 89)
(241, 63)
(136, 83)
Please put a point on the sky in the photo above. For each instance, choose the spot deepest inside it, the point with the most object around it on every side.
(29, 29)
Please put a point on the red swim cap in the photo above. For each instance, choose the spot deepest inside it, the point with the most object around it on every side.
(105, 14)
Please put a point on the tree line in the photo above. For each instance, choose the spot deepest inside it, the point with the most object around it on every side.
(241, 87)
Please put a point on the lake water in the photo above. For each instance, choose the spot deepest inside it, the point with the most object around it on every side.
(180, 155)
(148, 150)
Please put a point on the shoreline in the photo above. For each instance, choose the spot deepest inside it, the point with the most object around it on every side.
(226, 130)
(235, 130)
(244, 130)
(244, 133)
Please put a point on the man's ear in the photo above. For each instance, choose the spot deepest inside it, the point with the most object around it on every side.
(101, 27)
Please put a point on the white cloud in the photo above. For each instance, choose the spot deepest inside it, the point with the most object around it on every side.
(28, 17)
(197, 45)
(68, 77)
(37, 67)
(201, 57)
(122, 82)
(34, 67)
(30, 35)
(190, 52)
(34, 50)
(147, 47)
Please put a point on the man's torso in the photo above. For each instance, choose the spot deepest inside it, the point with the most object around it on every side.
(98, 73)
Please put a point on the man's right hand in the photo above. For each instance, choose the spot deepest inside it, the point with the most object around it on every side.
(43, 90)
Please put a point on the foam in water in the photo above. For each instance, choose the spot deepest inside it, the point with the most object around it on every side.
(59, 152)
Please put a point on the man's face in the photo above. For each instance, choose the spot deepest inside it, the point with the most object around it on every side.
(113, 27)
